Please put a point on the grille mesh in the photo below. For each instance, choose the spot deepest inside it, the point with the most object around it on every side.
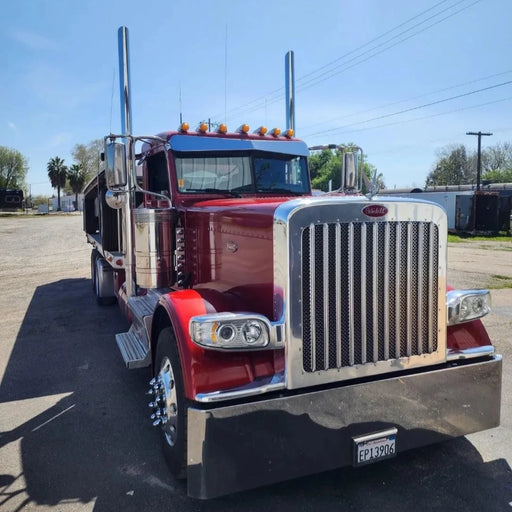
(369, 292)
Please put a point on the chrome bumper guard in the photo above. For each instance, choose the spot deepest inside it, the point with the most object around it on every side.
(238, 447)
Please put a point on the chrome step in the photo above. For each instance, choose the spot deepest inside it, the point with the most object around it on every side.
(133, 350)
(144, 305)
(141, 306)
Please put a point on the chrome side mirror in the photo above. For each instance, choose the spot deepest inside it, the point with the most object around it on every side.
(350, 170)
(115, 165)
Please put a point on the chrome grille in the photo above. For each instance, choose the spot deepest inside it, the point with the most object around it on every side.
(369, 292)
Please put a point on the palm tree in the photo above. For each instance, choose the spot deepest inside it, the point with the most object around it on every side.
(58, 173)
(76, 179)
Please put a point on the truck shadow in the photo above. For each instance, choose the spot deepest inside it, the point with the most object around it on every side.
(94, 443)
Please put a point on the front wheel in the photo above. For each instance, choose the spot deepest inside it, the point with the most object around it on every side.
(169, 404)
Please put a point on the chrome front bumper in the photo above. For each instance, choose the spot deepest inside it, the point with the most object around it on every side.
(237, 447)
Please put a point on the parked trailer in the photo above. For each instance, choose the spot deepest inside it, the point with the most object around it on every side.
(287, 333)
(11, 199)
(468, 210)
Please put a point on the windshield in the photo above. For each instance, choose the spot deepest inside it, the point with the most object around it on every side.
(252, 173)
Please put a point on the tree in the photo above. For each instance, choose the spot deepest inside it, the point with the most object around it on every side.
(325, 167)
(498, 176)
(88, 156)
(57, 172)
(13, 168)
(497, 163)
(39, 199)
(76, 179)
(497, 157)
(317, 162)
(453, 167)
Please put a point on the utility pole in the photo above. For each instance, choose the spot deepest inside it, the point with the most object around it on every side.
(479, 157)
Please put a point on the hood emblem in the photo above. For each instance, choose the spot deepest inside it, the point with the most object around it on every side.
(375, 210)
(232, 246)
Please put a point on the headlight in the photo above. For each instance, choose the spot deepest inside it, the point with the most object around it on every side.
(466, 305)
(228, 331)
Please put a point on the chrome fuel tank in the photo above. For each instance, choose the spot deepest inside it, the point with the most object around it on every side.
(153, 246)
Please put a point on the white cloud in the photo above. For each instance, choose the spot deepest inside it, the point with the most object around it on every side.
(33, 41)
(12, 126)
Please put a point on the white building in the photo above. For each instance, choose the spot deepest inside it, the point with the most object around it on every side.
(67, 203)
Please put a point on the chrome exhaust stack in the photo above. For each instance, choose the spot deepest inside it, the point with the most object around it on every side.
(126, 131)
(290, 91)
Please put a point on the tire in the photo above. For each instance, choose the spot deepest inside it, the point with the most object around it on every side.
(102, 301)
(173, 406)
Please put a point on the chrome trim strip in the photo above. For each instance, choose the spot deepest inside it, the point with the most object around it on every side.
(409, 305)
(430, 289)
(397, 289)
(312, 289)
(375, 282)
(421, 299)
(469, 353)
(386, 291)
(364, 336)
(255, 388)
(351, 280)
(327, 336)
(338, 295)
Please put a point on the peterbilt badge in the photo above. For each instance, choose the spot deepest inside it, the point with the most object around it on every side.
(375, 210)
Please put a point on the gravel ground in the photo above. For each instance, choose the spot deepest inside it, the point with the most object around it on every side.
(74, 427)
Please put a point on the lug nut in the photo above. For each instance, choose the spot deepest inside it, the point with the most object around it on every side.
(157, 422)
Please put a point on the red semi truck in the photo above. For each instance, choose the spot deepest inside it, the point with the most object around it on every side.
(287, 333)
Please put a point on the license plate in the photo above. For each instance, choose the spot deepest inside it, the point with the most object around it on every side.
(374, 447)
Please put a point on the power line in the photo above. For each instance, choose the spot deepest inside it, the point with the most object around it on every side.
(337, 118)
(424, 117)
(336, 70)
(411, 109)
(375, 39)
(277, 94)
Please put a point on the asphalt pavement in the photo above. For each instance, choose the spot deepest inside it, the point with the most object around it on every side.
(75, 433)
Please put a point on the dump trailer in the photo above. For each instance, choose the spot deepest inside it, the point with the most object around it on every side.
(287, 333)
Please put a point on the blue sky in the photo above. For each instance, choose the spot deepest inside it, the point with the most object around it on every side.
(400, 78)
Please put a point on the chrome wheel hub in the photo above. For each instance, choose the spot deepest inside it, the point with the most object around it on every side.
(165, 402)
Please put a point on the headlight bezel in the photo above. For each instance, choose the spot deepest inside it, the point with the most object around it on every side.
(211, 331)
(467, 305)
